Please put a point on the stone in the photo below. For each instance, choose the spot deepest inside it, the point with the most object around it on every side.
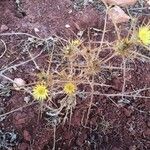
(121, 2)
(67, 26)
(4, 28)
(117, 15)
(36, 30)
(18, 83)
(26, 135)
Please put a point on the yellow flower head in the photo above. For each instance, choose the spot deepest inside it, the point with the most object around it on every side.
(75, 43)
(70, 48)
(70, 88)
(144, 35)
(40, 92)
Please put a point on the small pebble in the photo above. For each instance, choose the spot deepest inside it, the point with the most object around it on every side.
(67, 26)
(27, 99)
(3, 28)
(26, 135)
(80, 33)
(18, 83)
(36, 30)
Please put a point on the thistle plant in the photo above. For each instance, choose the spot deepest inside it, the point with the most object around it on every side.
(78, 63)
